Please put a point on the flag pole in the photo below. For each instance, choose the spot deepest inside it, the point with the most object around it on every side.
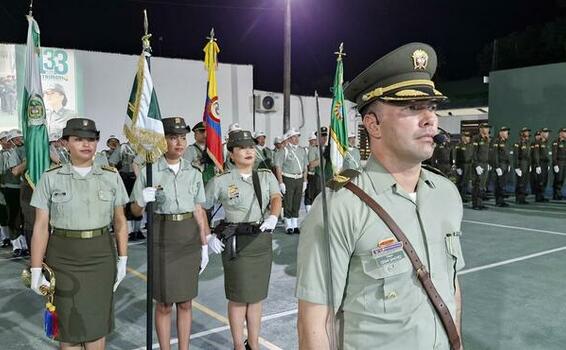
(149, 211)
(331, 332)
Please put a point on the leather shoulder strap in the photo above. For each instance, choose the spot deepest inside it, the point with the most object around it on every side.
(257, 189)
(422, 273)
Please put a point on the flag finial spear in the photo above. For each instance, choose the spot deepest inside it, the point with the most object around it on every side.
(340, 53)
(30, 7)
(211, 36)
(146, 37)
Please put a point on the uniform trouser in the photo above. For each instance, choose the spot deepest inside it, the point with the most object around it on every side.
(313, 188)
(479, 183)
(540, 181)
(559, 180)
(12, 196)
(464, 179)
(501, 184)
(292, 197)
(28, 212)
(522, 183)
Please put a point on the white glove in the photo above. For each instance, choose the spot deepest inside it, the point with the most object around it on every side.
(304, 186)
(479, 170)
(499, 171)
(38, 280)
(509, 168)
(121, 270)
(530, 168)
(518, 172)
(203, 258)
(556, 169)
(459, 172)
(538, 170)
(269, 224)
(489, 167)
(282, 188)
(215, 244)
(148, 195)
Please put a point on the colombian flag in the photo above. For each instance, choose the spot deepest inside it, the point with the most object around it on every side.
(211, 116)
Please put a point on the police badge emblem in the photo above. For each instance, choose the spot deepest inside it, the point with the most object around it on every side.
(420, 59)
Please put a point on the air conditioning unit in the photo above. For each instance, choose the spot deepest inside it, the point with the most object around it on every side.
(266, 103)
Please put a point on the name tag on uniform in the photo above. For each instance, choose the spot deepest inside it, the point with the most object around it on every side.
(387, 255)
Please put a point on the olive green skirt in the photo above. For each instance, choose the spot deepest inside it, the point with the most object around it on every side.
(176, 260)
(85, 270)
(246, 278)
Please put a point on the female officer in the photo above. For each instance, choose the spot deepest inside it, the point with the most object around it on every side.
(179, 231)
(80, 200)
(245, 195)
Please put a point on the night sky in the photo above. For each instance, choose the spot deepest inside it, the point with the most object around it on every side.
(251, 31)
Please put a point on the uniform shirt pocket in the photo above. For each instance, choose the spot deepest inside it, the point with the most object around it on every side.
(106, 195)
(393, 282)
(60, 201)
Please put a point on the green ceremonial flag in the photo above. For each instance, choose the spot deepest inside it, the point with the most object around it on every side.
(338, 127)
(33, 119)
(142, 125)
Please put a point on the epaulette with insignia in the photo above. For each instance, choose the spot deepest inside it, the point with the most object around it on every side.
(433, 170)
(264, 170)
(55, 167)
(340, 180)
(109, 168)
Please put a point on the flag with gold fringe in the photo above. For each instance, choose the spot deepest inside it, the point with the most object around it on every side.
(211, 115)
(33, 120)
(338, 127)
(143, 126)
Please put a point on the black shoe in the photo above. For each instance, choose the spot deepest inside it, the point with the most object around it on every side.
(502, 205)
(246, 345)
(289, 231)
(25, 252)
(476, 208)
(296, 230)
(139, 235)
(6, 243)
(522, 202)
(132, 236)
(17, 253)
(483, 207)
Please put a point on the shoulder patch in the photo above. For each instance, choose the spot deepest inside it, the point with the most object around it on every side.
(433, 170)
(55, 167)
(340, 180)
(109, 168)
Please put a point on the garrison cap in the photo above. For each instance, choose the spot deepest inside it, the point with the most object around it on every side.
(537, 133)
(259, 134)
(525, 129)
(545, 130)
(12, 134)
(199, 127)
(485, 125)
(234, 127)
(563, 130)
(312, 136)
(112, 137)
(504, 128)
(402, 75)
(175, 126)
(81, 127)
(4, 134)
(240, 138)
(56, 88)
(277, 140)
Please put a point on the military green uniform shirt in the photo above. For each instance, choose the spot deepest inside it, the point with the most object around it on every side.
(123, 158)
(66, 195)
(12, 158)
(384, 305)
(176, 193)
(352, 159)
(292, 160)
(238, 196)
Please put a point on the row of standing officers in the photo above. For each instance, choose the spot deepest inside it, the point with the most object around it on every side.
(481, 158)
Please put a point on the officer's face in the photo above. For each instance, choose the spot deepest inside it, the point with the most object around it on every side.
(278, 145)
(544, 135)
(324, 139)
(563, 135)
(484, 131)
(294, 139)
(352, 141)
(504, 134)
(176, 145)
(200, 136)
(82, 149)
(113, 144)
(526, 134)
(53, 100)
(404, 132)
(243, 156)
(261, 140)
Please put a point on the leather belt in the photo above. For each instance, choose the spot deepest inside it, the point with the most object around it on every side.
(422, 273)
(176, 217)
(82, 234)
(292, 176)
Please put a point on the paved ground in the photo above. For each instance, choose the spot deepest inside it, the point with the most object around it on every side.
(513, 289)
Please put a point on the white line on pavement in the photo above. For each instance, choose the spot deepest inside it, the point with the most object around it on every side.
(515, 227)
